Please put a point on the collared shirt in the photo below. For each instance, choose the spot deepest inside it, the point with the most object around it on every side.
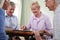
(11, 22)
(2, 26)
(41, 23)
(56, 23)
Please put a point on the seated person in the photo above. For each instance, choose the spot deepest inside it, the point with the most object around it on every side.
(11, 21)
(38, 22)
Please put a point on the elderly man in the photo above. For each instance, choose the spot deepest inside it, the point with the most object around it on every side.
(38, 22)
(53, 5)
(3, 6)
(11, 21)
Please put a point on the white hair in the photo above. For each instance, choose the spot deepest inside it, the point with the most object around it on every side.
(1, 3)
(58, 1)
(36, 3)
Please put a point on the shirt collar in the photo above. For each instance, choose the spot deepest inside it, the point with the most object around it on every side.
(9, 16)
(34, 18)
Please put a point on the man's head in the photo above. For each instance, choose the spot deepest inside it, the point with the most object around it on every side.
(10, 9)
(35, 7)
(6, 4)
(50, 4)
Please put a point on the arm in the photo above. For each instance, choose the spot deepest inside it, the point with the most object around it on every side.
(2, 28)
(17, 27)
(23, 27)
(49, 28)
(28, 26)
(37, 35)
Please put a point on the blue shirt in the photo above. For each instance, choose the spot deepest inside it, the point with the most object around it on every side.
(2, 28)
(11, 22)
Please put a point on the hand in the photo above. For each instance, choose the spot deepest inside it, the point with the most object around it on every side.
(37, 35)
(23, 27)
(42, 31)
(45, 32)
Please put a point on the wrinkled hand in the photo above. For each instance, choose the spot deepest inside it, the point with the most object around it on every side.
(45, 32)
(42, 31)
(37, 35)
(23, 27)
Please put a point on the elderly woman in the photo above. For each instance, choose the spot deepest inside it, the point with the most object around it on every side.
(3, 6)
(38, 22)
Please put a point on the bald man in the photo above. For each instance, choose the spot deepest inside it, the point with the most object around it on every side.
(53, 5)
(3, 6)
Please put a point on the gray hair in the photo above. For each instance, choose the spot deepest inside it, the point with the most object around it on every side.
(36, 3)
(58, 1)
(12, 4)
(1, 3)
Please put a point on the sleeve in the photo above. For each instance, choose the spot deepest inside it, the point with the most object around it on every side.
(17, 27)
(2, 20)
(2, 28)
(6, 22)
(48, 25)
(29, 25)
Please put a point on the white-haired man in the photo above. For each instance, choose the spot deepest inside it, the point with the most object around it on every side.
(3, 6)
(53, 5)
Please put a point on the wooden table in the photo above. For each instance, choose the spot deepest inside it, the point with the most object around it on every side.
(12, 33)
(19, 32)
(24, 33)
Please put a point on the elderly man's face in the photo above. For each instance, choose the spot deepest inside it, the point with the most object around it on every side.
(35, 9)
(10, 10)
(50, 4)
(6, 4)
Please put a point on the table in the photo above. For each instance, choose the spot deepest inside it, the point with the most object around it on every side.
(24, 33)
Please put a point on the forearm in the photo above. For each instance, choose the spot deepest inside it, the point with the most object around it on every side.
(48, 33)
(45, 32)
(37, 36)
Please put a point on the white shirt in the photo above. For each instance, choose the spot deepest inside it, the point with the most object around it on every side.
(11, 22)
(56, 23)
